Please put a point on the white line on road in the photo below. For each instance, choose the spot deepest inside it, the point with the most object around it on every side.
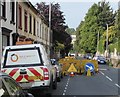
(102, 73)
(108, 78)
(63, 93)
(65, 88)
(102, 69)
(117, 85)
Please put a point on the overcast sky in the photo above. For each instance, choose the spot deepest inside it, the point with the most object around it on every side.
(75, 10)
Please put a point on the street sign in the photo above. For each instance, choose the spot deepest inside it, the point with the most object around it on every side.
(72, 68)
(89, 66)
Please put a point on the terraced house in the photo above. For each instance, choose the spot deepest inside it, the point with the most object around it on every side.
(8, 21)
(22, 22)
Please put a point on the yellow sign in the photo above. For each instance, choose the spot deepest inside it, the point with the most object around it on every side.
(35, 77)
(72, 68)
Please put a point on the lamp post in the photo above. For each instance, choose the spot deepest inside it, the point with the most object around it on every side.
(0, 35)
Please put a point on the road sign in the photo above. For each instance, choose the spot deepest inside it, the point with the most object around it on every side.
(89, 66)
(72, 68)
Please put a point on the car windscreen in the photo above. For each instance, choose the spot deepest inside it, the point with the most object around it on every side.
(22, 57)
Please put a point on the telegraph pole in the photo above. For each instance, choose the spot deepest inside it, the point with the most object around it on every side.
(107, 39)
(0, 35)
(98, 42)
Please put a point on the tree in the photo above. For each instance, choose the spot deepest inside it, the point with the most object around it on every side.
(95, 21)
(57, 23)
(70, 31)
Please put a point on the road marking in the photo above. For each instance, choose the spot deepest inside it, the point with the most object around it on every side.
(108, 78)
(102, 73)
(65, 88)
(63, 93)
(102, 69)
(117, 85)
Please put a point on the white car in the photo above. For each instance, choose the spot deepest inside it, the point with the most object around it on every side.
(10, 88)
(30, 66)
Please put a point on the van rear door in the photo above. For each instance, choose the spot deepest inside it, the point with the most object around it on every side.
(23, 64)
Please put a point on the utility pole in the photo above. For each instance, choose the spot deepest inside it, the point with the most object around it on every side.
(106, 51)
(107, 38)
(98, 42)
(0, 34)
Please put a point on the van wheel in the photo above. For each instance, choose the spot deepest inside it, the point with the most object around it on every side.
(54, 85)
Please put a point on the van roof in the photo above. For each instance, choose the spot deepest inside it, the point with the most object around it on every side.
(23, 46)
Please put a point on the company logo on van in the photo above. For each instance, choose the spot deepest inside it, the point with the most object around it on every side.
(14, 58)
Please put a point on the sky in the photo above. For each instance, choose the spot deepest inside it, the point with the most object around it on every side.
(75, 10)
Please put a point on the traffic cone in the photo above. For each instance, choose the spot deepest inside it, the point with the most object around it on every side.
(72, 74)
(88, 72)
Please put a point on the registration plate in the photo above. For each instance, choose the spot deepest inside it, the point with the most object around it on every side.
(35, 77)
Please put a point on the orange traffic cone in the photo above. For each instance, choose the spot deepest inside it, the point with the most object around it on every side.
(72, 74)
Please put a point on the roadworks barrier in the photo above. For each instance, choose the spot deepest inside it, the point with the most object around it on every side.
(70, 64)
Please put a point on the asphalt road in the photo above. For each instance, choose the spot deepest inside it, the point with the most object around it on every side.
(104, 83)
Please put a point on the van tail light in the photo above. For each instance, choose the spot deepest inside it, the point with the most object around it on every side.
(46, 74)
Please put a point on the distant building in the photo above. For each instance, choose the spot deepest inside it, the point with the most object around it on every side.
(73, 39)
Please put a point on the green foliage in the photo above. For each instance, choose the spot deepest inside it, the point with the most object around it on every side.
(95, 21)
(70, 31)
(57, 23)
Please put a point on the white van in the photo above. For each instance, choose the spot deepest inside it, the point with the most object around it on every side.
(29, 65)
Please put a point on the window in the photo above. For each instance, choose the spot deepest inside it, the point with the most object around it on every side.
(46, 34)
(20, 17)
(34, 27)
(38, 29)
(12, 86)
(12, 10)
(25, 20)
(4, 9)
(3, 90)
(42, 32)
(30, 23)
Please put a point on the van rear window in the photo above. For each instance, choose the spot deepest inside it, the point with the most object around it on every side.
(22, 57)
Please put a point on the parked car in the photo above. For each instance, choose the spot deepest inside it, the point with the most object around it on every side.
(100, 59)
(30, 66)
(88, 56)
(10, 88)
(58, 67)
